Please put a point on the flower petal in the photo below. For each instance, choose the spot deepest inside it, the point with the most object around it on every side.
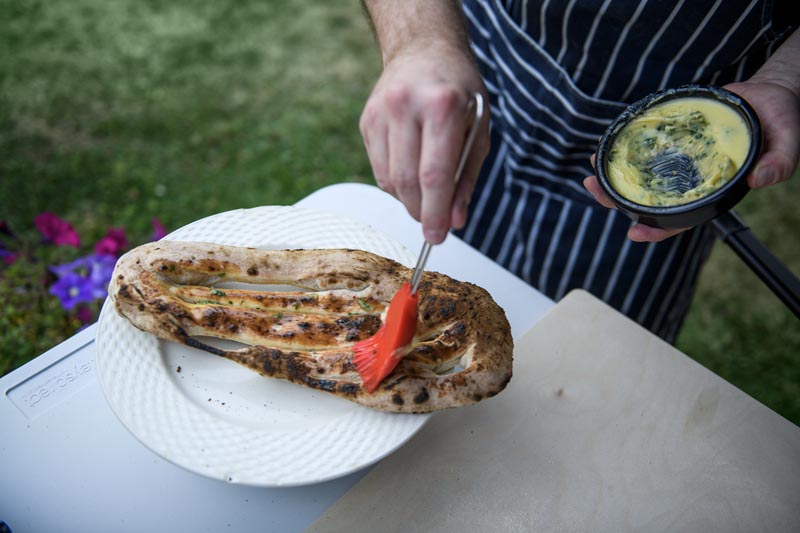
(113, 243)
(72, 289)
(56, 230)
(158, 229)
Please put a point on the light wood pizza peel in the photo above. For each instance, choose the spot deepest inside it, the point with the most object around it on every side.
(604, 427)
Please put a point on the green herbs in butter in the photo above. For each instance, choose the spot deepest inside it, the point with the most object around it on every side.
(712, 134)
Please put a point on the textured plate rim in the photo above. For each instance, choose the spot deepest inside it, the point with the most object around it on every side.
(176, 445)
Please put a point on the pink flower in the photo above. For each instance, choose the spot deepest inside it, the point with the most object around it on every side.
(56, 230)
(113, 243)
(158, 229)
(8, 257)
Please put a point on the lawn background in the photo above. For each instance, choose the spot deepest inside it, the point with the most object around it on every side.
(115, 112)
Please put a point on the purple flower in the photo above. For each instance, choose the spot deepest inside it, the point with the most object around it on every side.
(113, 243)
(84, 314)
(102, 267)
(158, 230)
(86, 277)
(81, 266)
(72, 289)
(56, 230)
(8, 256)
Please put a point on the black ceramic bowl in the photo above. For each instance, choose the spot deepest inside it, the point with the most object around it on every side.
(705, 208)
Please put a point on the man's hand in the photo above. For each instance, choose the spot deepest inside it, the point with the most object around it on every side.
(416, 119)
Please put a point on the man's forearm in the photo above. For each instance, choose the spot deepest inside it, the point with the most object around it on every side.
(783, 67)
(399, 23)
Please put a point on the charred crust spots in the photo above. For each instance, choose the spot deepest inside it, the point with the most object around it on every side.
(197, 344)
(210, 317)
(459, 329)
(447, 310)
(348, 388)
(353, 326)
(141, 307)
(296, 370)
(252, 271)
(271, 360)
(426, 351)
(397, 399)
(303, 325)
(349, 322)
(161, 307)
(422, 396)
(124, 291)
(477, 397)
(328, 385)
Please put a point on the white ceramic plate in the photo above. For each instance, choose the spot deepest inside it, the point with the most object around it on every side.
(219, 419)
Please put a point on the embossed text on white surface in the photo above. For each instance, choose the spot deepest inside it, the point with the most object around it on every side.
(53, 384)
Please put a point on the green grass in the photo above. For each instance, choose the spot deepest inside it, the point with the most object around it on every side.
(112, 113)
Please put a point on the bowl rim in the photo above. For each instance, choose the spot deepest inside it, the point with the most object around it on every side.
(718, 94)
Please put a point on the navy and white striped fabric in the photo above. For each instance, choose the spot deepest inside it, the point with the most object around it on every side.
(557, 74)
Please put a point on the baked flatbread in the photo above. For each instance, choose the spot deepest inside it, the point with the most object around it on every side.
(179, 291)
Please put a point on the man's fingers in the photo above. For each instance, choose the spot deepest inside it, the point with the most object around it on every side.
(374, 131)
(642, 233)
(593, 187)
(638, 232)
(442, 139)
(776, 165)
(779, 114)
(404, 152)
(469, 177)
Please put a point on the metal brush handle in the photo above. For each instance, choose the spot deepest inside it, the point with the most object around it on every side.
(473, 130)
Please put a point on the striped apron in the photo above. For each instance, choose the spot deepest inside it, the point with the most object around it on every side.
(557, 74)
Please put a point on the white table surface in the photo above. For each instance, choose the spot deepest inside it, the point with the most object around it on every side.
(67, 464)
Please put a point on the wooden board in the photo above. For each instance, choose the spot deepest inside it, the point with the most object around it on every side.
(604, 427)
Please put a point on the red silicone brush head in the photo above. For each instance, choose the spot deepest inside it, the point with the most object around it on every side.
(377, 356)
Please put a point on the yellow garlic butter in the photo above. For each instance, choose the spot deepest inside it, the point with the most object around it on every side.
(711, 133)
